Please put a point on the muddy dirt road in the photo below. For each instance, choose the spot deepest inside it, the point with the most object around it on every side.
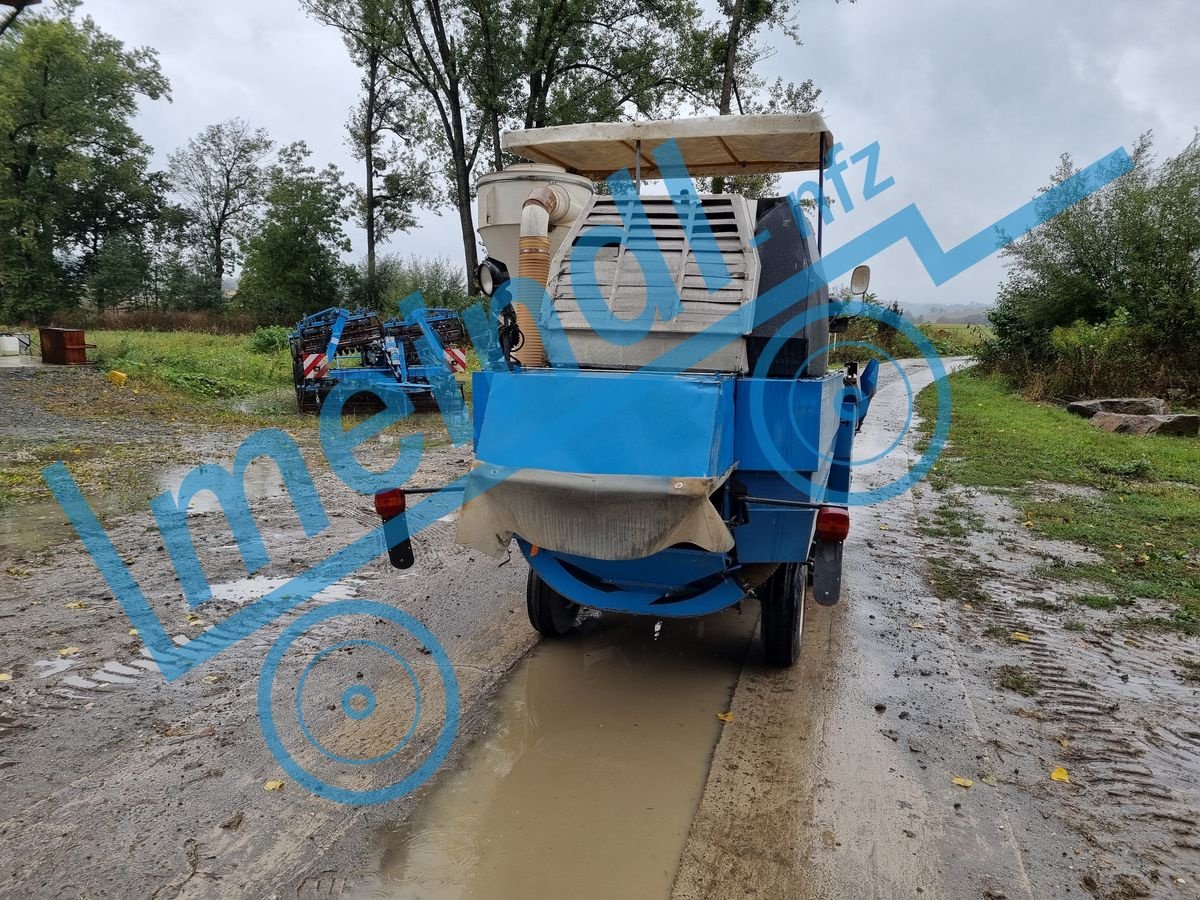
(591, 767)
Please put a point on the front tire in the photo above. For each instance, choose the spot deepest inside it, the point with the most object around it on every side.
(550, 613)
(782, 601)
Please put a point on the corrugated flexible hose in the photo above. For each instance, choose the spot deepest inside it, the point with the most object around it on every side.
(533, 267)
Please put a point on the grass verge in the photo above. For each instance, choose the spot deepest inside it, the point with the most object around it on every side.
(1133, 501)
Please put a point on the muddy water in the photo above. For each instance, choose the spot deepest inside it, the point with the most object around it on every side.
(35, 527)
(587, 785)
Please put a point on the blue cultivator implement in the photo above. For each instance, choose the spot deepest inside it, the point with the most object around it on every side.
(665, 435)
(417, 355)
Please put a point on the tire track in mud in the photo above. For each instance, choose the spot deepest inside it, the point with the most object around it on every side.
(1126, 727)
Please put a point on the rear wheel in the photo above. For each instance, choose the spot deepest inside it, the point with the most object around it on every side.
(782, 600)
(552, 614)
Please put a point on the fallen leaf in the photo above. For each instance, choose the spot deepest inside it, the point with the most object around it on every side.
(211, 679)
(989, 780)
(133, 631)
(1064, 743)
(1029, 523)
(273, 786)
(962, 782)
(884, 528)
(4, 676)
(1060, 774)
(917, 625)
(1021, 636)
(18, 572)
(77, 605)
(725, 717)
(968, 606)
(68, 651)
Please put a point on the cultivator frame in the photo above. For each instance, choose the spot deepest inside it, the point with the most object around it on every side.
(417, 355)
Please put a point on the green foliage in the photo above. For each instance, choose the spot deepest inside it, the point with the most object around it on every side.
(955, 339)
(219, 175)
(120, 272)
(1105, 297)
(73, 172)
(208, 366)
(293, 263)
(871, 332)
(269, 339)
(439, 282)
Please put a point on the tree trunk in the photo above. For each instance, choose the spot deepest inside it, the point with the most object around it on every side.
(219, 262)
(731, 49)
(369, 154)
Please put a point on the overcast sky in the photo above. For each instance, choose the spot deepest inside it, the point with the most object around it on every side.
(971, 102)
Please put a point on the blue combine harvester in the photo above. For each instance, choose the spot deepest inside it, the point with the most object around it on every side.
(417, 354)
(665, 435)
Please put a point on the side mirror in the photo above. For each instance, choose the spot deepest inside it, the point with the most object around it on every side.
(860, 280)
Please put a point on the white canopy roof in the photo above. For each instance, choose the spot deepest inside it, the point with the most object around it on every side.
(712, 145)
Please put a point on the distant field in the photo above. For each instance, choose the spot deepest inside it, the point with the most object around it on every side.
(955, 337)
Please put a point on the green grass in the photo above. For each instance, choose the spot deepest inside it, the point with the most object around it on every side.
(1016, 679)
(1101, 601)
(206, 366)
(1189, 670)
(1143, 520)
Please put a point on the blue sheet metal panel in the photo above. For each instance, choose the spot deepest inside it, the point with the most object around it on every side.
(634, 588)
(782, 424)
(775, 534)
(606, 423)
(481, 385)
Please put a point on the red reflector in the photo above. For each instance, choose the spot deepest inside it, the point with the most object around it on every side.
(390, 504)
(833, 523)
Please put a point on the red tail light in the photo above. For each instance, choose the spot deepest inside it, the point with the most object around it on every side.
(390, 504)
(833, 523)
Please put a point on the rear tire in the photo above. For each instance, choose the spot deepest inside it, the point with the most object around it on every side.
(552, 614)
(782, 601)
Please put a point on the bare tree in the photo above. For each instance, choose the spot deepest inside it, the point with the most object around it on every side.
(220, 180)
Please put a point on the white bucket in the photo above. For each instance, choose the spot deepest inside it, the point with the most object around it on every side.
(9, 345)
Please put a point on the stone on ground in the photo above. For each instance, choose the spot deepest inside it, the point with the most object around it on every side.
(1181, 425)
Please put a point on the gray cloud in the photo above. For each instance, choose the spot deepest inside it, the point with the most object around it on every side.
(972, 103)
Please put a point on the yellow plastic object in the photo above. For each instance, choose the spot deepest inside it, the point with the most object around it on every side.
(117, 378)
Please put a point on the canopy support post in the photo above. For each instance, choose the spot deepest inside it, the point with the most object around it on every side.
(821, 196)
(637, 167)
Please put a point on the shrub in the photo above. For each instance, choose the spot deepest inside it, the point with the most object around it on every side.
(269, 339)
(440, 282)
(1105, 297)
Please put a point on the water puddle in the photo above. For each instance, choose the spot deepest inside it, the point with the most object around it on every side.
(588, 781)
(35, 527)
(20, 362)
(246, 590)
(262, 480)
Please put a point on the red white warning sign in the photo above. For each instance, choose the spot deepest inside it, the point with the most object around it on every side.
(456, 359)
(313, 365)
